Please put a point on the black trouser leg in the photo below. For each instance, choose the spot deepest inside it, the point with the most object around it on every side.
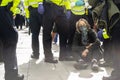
(107, 50)
(72, 29)
(63, 30)
(9, 38)
(1, 51)
(9, 56)
(115, 42)
(35, 25)
(47, 39)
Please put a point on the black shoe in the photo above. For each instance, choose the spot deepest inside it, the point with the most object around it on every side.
(34, 57)
(51, 60)
(70, 58)
(94, 65)
(20, 77)
(80, 65)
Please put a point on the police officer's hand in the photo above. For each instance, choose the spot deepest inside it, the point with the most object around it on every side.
(41, 8)
(68, 14)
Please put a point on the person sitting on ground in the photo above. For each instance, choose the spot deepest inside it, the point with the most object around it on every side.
(85, 46)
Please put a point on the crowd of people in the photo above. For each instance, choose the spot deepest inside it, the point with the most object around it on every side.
(81, 25)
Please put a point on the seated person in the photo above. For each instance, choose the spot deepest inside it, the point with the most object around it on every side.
(85, 46)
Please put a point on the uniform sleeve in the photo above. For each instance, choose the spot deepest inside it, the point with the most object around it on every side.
(14, 7)
(39, 1)
(26, 4)
(67, 4)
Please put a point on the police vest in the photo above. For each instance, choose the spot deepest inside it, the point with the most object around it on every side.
(78, 10)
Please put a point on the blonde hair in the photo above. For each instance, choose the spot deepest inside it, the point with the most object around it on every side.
(82, 22)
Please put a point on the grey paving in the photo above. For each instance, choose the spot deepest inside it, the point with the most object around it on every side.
(39, 70)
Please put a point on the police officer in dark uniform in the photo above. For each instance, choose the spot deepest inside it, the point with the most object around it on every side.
(115, 43)
(9, 38)
(35, 23)
(77, 12)
(112, 18)
(55, 12)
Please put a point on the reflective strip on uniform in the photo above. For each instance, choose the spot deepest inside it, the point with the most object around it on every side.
(25, 6)
(32, 3)
(105, 35)
(78, 10)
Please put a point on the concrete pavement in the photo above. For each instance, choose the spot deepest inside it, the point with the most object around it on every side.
(39, 70)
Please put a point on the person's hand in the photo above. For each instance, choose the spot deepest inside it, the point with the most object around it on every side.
(14, 16)
(41, 8)
(85, 52)
(68, 14)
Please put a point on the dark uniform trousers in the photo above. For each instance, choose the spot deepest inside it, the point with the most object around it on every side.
(54, 13)
(72, 29)
(35, 26)
(115, 42)
(107, 50)
(9, 38)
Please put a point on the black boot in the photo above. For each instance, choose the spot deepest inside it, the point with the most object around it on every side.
(34, 56)
(81, 64)
(20, 77)
(50, 60)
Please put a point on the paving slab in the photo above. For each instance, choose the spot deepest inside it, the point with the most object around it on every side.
(39, 70)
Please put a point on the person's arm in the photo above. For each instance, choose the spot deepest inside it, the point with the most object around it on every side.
(14, 7)
(94, 41)
(67, 4)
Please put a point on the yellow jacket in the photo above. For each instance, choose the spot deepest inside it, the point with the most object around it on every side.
(33, 3)
(14, 6)
(65, 3)
(77, 10)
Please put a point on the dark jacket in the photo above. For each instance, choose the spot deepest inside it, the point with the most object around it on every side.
(78, 47)
(91, 38)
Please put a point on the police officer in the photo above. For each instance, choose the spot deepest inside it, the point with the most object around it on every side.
(9, 38)
(115, 40)
(103, 36)
(55, 12)
(77, 12)
(113, 23)
(35, 23)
